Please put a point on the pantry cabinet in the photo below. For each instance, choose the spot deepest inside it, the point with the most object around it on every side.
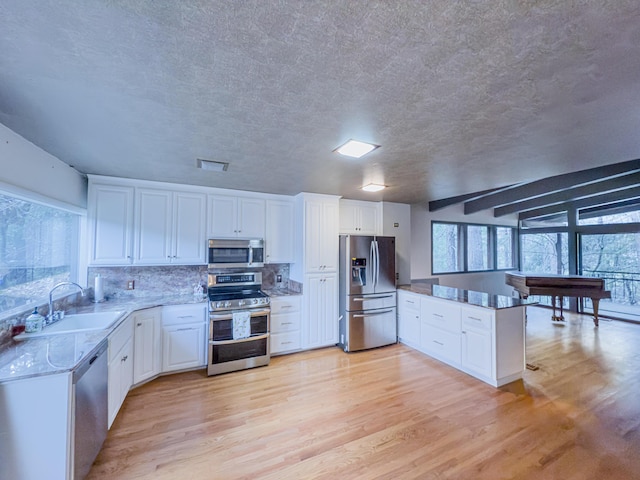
(279, 233)
(169, 227)
(111, 224)
(320, 328)
(120, 366)
(147, 359)
(320, 242)
(183, 337)
(359, 218)
(236, 217)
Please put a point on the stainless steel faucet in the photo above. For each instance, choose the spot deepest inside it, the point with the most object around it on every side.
(54, 316)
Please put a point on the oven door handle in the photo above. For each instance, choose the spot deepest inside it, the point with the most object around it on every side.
(228, 316)
(238, 340)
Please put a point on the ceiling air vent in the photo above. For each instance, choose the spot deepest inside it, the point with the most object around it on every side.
(212, 165)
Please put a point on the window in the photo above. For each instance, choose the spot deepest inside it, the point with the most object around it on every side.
(38, 248)
(461, 247)
(445, 241)
(545, 253)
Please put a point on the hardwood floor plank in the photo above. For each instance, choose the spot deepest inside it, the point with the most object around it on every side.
(394, 413)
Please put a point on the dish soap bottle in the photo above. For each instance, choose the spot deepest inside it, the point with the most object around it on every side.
(34, 322)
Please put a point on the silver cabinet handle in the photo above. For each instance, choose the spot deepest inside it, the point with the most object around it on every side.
(439, 343)
(475, 318)
(437, 315)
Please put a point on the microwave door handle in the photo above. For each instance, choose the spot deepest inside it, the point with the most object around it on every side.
(250, 254)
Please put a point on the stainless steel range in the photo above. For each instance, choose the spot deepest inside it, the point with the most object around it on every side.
(239, 322)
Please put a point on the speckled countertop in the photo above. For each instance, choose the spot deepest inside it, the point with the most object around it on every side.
(478, 299)
(47, 355)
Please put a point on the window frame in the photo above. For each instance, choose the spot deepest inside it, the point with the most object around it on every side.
(492, 247)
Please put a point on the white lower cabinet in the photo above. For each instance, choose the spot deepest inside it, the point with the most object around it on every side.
(147, 335)
(285, 324)
(36, 428)
(183, 337)
(483, 342)
(320, 328)
(120, 368)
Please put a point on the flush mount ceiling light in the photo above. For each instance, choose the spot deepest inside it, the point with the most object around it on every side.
(373, 187)
(212, 165)
(355, 149)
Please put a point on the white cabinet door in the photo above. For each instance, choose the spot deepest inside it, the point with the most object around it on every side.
(111, 224)
(189, 240)
(223, 214)
(321, 236)
(409, 317)
(236, 217)
(120, 379)
(477, 352)
(182, 346)
(153, 227)
(320, 322)
(251, 221)
(330, 236)
(285, 324)
(147, 344)
(358, 218)
(279, 233)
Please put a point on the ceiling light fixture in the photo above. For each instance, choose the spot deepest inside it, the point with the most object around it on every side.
(212, 165)
(373, 187)
(355, 149)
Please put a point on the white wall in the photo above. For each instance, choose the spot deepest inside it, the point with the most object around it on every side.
(396, 222)
(491, 282)
(24, 166)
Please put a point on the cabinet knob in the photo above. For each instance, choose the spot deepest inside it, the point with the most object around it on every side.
(138, 325)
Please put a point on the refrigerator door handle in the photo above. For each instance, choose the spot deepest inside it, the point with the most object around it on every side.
(372, 314)
(372, 264)
(371, 297)
(377, 252)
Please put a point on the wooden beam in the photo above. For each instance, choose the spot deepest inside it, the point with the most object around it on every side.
(570, 194)
(446, 202)
(550, 185)
(615, 196)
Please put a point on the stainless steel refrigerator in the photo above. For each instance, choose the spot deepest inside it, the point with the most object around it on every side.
(367, 287)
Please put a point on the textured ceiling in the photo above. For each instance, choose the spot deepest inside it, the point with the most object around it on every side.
(462, 96)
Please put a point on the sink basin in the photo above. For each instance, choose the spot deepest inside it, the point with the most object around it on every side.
(81, 322)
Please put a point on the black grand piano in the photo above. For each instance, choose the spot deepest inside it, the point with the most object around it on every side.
(559, 286)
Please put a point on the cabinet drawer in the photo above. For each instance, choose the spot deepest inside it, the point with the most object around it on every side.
(476, 318)
(285, 322)
(285, 304)
(443, 344)
(408, 300)
(442, 314)
(120, 337)
(284, 342)
(180, 314)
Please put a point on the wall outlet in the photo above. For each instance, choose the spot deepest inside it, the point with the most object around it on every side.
(278, 278)
(131, 284)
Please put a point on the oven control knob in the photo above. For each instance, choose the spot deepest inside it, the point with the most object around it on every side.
(240, 302)
(218, 304)
(227, 303)
(255, 301)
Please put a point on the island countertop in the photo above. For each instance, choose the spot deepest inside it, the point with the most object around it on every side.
(471, 297)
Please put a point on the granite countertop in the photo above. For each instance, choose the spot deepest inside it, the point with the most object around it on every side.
(59, 353)
(280, 292)
(478, 299)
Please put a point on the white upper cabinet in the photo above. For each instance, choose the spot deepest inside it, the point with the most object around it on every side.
(169, 227)
(279, 233)
(236, 217)
(320, 233)
(359, 218)
(111, 224)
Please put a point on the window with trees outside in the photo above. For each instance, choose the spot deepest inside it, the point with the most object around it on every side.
(465, 247)
(38, 248)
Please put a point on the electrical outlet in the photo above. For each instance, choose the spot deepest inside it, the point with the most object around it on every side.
(131, 284)
(278, 278)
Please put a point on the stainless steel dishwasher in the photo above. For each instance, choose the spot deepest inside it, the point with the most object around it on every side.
(90, 417)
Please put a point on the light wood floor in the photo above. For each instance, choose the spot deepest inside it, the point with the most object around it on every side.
(394, 413)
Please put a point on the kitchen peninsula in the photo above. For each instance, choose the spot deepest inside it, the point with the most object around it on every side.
(478, 333)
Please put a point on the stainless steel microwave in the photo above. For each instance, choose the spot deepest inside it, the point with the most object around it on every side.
(224, 253)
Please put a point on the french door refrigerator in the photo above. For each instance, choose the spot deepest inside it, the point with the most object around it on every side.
(367, 286)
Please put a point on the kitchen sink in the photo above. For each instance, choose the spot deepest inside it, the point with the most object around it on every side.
(80, 322)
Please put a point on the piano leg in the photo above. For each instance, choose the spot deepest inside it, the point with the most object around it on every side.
(596, 304)
(554, 317)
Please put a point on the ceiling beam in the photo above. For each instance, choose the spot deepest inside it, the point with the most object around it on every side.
(610, 209)
(550, 185)
(446, 202)
(610, 197)
(570, 194)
